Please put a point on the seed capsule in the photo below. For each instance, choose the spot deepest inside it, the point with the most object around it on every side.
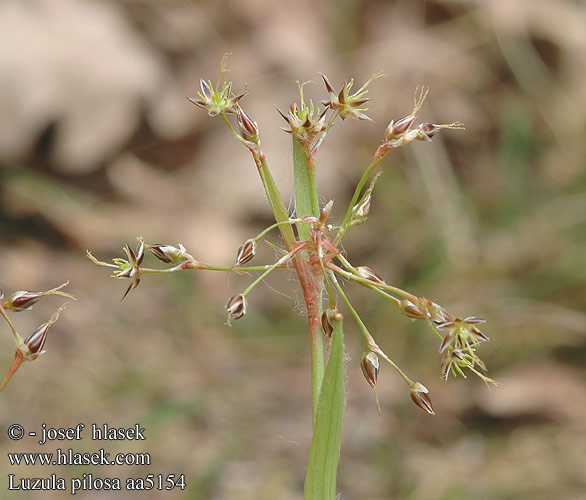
(420, 396)
(36, 341)
(399, 127)
(326, 211)
(364, 208)
(248, 127)
(236, 307)
(370, 367)
(411, 310)
(246, 252)
(22, 300)
(168, 253)
(368, 274)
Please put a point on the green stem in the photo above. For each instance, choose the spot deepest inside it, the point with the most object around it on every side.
(202, 266)
(306, 201)
(17, 338)
(271, 190)
(307, 204)
(272, 267)
(275, 199)
(322, 466)
(353, 275)
(368, 338)
(375, 161)
(278, 224)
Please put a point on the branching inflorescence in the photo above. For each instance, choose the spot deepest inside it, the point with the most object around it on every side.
(32, 347)
(314, 250)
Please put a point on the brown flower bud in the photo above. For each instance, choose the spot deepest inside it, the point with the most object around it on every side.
(246, 252)
(420, 396)
(368, 274)
(236, 307)
(248, 127)
(168, 253)
(326, 325)
(326, 211)
(36, 341)
(363, 209)
(370, 366)
(412, 310)
(22, 300)
(399, 127)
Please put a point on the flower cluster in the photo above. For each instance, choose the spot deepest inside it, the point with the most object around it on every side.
(402, 132)
(131, 268)
(314, 250)
(346, 104)
(305, 121)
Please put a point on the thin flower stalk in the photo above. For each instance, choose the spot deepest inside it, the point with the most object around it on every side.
(368, 338)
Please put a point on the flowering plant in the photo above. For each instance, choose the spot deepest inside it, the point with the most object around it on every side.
(312, 248)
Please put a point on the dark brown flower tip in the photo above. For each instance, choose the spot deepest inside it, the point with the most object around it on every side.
(132, 273)
(368, 274)
(448, 340)
(285, 117)
(327, 83)
(474, 320)
(420, 396)
(477, 335)
(326, 324)
(135, 258)
(198, 102)
(370, 366)
(246, 252)
(236, 307)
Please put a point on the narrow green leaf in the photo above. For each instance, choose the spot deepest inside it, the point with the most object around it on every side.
(322, 467)
(306, 202)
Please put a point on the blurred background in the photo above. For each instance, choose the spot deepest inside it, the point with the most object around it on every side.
(99, 145)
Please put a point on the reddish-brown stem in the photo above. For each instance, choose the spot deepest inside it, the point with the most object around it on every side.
(311, 296)
(16, 362)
